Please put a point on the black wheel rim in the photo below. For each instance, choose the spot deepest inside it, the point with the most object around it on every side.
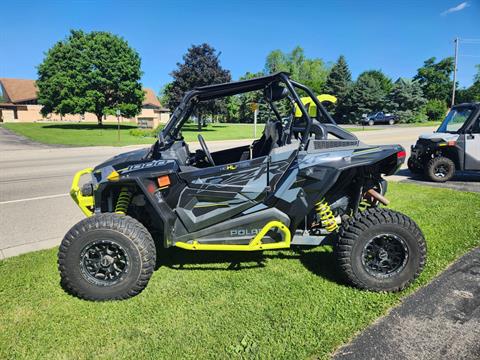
(385, 255)
(104, 263)
(441, 171)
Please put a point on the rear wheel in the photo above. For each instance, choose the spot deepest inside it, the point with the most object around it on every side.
(440, 169)
(106, 257)
(380, 250)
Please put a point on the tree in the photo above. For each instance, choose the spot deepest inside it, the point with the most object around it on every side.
(311, 72)
(472, 93)
(338, 83)
(366, 96)
(384, 81)
(435, 109)
(95, 72)
(407, 100)
(434, 78)
(245, 112)
(163, 94)
(200, 67)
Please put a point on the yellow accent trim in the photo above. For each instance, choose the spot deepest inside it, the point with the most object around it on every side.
(312, 107)
(254, 245)
(85, 203)
(113, 176)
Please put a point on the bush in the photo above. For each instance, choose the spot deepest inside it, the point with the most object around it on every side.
(143, 132)
(409, 116)
(435, 109)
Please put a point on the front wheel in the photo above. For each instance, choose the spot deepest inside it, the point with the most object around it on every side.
(380, 250)
(414, 169)
(371, 122)
(440, 169)
(106, 257)
(391, 122)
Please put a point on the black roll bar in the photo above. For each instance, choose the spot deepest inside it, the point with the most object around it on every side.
(306, 134)
(315, 100)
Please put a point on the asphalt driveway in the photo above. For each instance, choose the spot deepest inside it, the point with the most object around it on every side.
(440, 321)
(462, 181)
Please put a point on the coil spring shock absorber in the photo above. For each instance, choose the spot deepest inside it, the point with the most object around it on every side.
(326, 216)
(123, 201)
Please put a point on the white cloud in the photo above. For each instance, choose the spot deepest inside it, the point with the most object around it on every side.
(459, 7)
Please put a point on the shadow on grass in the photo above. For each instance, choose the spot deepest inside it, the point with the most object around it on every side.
(88, 127)
(320, 263)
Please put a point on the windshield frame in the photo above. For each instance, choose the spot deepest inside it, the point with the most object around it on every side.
(443, 126)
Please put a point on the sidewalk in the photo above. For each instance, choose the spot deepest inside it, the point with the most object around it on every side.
(440, 321)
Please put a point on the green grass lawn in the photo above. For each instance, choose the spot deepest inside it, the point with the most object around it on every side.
(89, 134)
(426, 123)
(275, 305)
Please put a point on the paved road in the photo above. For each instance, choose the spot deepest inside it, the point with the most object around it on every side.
(35, 210)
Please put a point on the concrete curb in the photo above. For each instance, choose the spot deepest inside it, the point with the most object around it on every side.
(26, 248)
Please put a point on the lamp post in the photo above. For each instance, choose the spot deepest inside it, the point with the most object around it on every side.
(118, 112)
(254, 107)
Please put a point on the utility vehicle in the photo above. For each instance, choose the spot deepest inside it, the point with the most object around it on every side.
(454, 146)
(305, 182)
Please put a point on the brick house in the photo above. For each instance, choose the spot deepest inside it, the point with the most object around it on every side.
(18, 103)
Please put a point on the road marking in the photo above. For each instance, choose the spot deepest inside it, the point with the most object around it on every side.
(33, 199)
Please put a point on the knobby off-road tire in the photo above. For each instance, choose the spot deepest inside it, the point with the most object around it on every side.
(440, 169)
(360, 237)
(106, 257)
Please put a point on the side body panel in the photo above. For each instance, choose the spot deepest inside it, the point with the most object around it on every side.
(472, 146)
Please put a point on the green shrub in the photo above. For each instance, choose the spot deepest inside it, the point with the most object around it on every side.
(409, 116)
(435, 109)
(143, 132)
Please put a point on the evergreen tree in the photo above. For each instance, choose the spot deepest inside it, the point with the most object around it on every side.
(385, 82)
(407, 100)
(338, 84)
(366, 96)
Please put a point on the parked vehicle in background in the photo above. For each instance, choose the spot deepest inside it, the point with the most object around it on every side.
(454, 146)
(379, 118)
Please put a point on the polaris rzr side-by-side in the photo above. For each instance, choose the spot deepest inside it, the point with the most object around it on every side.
(454, 146)
(305, 182)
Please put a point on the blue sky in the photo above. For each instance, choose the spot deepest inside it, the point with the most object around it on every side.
(392, 35)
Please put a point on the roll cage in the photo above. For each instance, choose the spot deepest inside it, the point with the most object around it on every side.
(265, 83)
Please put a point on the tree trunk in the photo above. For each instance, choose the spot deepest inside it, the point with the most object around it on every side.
(199, 116)
(100, 119)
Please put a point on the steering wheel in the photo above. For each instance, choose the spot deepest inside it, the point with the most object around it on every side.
(201, 140)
